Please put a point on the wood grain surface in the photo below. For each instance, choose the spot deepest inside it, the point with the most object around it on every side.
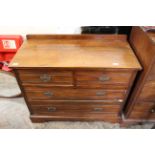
(79, 51)
(144, 89)
(75, 77)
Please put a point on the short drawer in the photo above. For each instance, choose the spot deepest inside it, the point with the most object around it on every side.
(103, 79)
(45, 93)
(74, 107)
(46, 77)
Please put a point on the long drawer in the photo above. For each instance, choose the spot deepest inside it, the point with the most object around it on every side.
(108, 117)
(103, 79)
(56, 78)
(48, 93)
(75, 110)
(60, 108)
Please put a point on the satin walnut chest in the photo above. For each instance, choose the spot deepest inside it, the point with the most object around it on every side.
(75, 77)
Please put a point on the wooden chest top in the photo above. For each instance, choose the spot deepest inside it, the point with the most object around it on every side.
(75, 51)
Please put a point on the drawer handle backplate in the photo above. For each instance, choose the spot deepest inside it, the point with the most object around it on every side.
(98, 109)
(49, 94)
(51, 109)
(45, 78)
(104, 78)
(100, 93)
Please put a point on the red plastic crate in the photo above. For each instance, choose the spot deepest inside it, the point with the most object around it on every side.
(10, 43)
(1, 57)
(1, 65)
(8, 56)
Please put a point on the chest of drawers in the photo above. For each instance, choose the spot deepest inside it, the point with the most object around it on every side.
(141, 105)
(75, 77)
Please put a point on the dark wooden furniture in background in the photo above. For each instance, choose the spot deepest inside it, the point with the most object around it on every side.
(141, 104)
(106, 30)
(75, 77)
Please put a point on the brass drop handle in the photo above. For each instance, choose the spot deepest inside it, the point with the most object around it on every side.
(104, 78)
(100, 93)
(152, 110)
(98, 109)
(51, 109)
(48, 94)
(45, 78)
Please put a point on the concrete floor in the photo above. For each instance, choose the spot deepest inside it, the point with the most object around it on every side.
(15, 115)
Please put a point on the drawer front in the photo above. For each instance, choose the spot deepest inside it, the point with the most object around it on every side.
(73, 94)
(60, 108)
(148, 92)
(142, 116)
(143, 110)
(107, 117)
(101, 79)
(46, 77)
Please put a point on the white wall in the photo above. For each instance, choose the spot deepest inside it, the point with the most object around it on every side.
(23, 30)
(36, 16)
